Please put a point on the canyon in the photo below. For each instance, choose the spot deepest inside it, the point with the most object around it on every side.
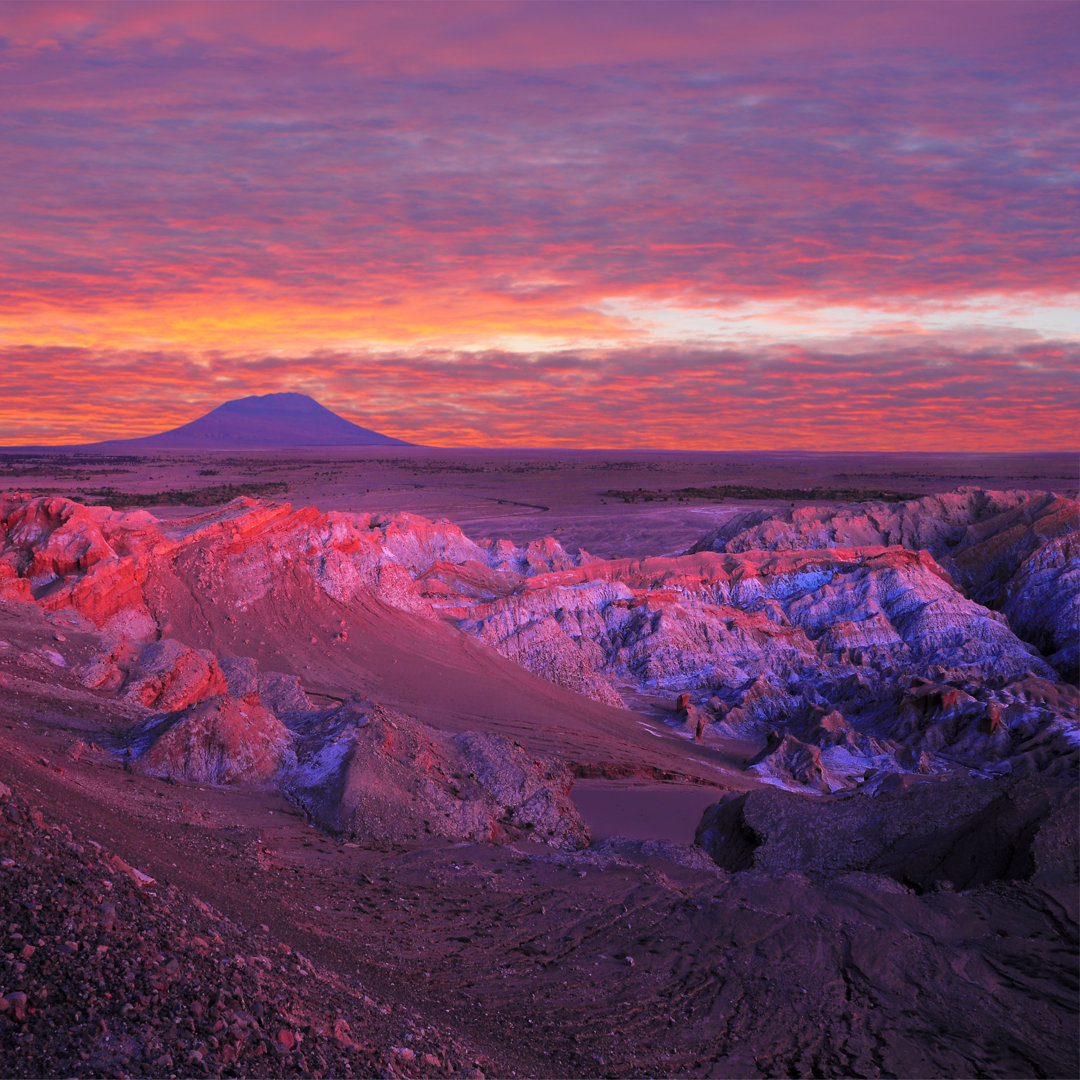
(786, 786)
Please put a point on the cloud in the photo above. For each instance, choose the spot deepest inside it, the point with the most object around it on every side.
(150, 168)
(1012, 398)
(533, 182)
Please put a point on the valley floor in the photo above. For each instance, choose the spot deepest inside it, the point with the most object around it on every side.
(632, 958)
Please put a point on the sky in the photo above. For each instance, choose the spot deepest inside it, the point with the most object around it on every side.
(710, 226)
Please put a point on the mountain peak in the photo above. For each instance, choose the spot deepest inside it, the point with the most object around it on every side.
(284, 399)
(261, 422)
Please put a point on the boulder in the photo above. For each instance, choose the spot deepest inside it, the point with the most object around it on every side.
(169, 675)
(220, 741)
(283, 694)
(382, 777)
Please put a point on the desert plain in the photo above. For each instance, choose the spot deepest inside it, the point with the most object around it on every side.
(404, 761)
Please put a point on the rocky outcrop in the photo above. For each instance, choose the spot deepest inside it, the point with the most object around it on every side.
(135, 578)
(1014, 551)
(385, 778)
(877, 639)
(789, 762)
(987, 532)
(925, 835)
(220, 741)
(58, 553)
(128, 568)
(543, 647)
(282, 694)
(168, 675)
(48, 539)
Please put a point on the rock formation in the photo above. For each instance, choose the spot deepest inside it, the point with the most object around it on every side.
(218, 741)
(150, 593)
(864, 658)
(878, 636)
(925, 835)
(385, 778)
(169, 675)
(1014, 551)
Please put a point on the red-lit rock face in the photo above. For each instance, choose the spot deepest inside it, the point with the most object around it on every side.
(55, 551)
(181, 612)
(168, 675)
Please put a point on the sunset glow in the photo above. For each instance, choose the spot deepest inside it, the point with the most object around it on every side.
(707, 226)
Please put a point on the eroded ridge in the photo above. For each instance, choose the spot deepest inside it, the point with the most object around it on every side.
(842, 662)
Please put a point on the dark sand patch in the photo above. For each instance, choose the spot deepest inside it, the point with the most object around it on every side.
(643, 811)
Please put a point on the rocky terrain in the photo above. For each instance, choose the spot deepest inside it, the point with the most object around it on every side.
(838, 629)
(149, 595)
(179, 929)
(409, 694)
(1013, 551)
(107, 972)
(842, 661)
(870, 652)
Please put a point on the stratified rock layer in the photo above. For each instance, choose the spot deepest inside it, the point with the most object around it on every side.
(1014, 551)
(877, 639)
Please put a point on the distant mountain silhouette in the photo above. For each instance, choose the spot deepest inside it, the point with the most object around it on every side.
(262, 422)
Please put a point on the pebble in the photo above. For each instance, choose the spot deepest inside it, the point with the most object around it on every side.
(16, 1002)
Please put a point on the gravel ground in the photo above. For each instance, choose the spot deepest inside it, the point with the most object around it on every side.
(104, 972)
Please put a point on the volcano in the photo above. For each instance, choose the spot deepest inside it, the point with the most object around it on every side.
(261, 422)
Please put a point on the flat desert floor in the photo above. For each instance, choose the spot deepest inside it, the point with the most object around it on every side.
(524, 495)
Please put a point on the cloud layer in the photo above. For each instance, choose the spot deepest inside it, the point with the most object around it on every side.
(411, 192)
(912, 398)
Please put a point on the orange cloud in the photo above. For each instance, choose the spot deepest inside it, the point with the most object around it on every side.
(1007, 399)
